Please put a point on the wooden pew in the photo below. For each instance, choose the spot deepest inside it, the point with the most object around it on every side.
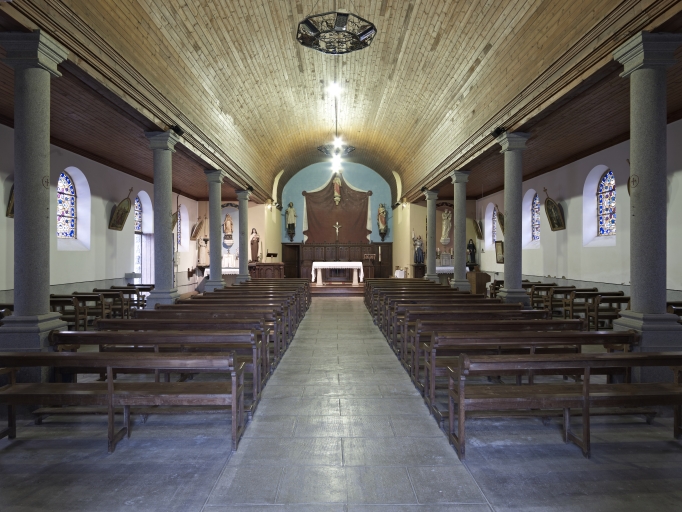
(418, 339)
(444, 348)
(70, 311)
(554, 300)
(119, 304)
(125, 394)
(606, 307)
(578, 302)
(273, 321)
(194, 324)
(537, 294)
(465, 397)
(246, 344)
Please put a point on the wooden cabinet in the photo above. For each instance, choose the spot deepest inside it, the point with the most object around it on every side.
(266, 270)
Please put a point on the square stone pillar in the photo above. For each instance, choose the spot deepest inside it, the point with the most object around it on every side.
(431, 196)
(34, 57)
(243, 196)
(215, 181)
(513, 145)
(459, 235)
(645, 58)
(163, 145)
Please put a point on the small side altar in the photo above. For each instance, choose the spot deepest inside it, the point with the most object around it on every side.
(318, 266)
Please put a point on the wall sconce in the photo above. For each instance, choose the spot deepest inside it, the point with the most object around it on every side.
(404, 202)
(268, 204)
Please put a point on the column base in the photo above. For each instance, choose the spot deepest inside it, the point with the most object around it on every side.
(28, 333)
(242, 278)
(432, 277)
(213, 285)
(658, 333)
(161, 297)
(462, 285)
(512, 296)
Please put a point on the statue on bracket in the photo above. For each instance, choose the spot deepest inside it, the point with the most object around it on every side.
(418, 249)
(228, 227)
(290, 216)
(555, 214)
(381, 221)
(447, 225)
(471, 251)
(254, 240)
(337, 189)
(203, 256)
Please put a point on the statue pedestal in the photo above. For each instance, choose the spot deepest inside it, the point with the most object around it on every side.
(418, 270)
(445, 241)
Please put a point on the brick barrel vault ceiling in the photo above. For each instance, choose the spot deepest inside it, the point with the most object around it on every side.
(438, 71)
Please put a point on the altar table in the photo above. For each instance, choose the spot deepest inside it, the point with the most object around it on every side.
(355, 265)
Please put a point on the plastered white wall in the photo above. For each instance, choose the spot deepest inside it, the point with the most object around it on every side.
(564, 253)
(111, 252)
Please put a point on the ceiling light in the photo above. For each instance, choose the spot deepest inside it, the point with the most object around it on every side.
(335, 33)
(334, 89)
(338, 142)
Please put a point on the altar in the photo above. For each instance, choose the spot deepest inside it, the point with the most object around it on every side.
(318, 266)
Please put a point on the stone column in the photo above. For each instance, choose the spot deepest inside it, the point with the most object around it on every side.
(513, 145)
(645, 58)
(163, 145)
(215, 222)
(431, 196)
(459, 235)
(34, 57)
(243, 196)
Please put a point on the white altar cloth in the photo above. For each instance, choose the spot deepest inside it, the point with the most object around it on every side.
(355, 265)
(226, 271)
(445, 270)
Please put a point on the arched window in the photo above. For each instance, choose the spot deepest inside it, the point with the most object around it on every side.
(179, 227)
(494, 226)
(535, 218)
(606, 205)
(66, 207)
(138, 215)
(138, 236)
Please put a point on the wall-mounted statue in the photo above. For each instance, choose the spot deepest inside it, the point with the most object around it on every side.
(447, 226)
(418, 250)
(471, 252)
(381, 221)
(203, 256)
(337, 189)
(290, 217)
(228, 227)
(254, 240)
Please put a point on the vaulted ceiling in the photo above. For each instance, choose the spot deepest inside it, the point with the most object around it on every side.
(422, 100)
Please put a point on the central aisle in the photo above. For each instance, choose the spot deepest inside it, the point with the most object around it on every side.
(341, 427)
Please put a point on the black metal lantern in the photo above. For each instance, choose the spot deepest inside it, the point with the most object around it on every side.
(336, 33)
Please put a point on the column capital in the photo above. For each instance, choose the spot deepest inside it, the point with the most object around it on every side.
(647, 50)
(431, 195)
(243, 194)
(163, 140)
(514, 141)
(215, 175)
(33, 50)
(460, 176)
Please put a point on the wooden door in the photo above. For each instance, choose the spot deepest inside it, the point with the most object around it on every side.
(290, 255)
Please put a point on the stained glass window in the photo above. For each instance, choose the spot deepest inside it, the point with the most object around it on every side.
(138, 215)
(66, 207)
(535, 218)
(606, 205)
(179, 228)
(494, 226)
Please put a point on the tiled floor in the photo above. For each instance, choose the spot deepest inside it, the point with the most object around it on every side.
(340, 428)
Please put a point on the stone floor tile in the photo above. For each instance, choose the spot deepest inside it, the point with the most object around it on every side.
(343, 426)
(270, 426)
(399, 451)
(246, 485)
(322, 451)
(450, 484)
(382, 484)
(322, 484)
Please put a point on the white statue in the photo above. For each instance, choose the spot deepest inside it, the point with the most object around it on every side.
(447, 225)
(290, 216)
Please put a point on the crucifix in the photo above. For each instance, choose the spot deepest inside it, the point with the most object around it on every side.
(336, 227)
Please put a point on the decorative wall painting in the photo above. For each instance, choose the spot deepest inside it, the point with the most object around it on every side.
(120, 214)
